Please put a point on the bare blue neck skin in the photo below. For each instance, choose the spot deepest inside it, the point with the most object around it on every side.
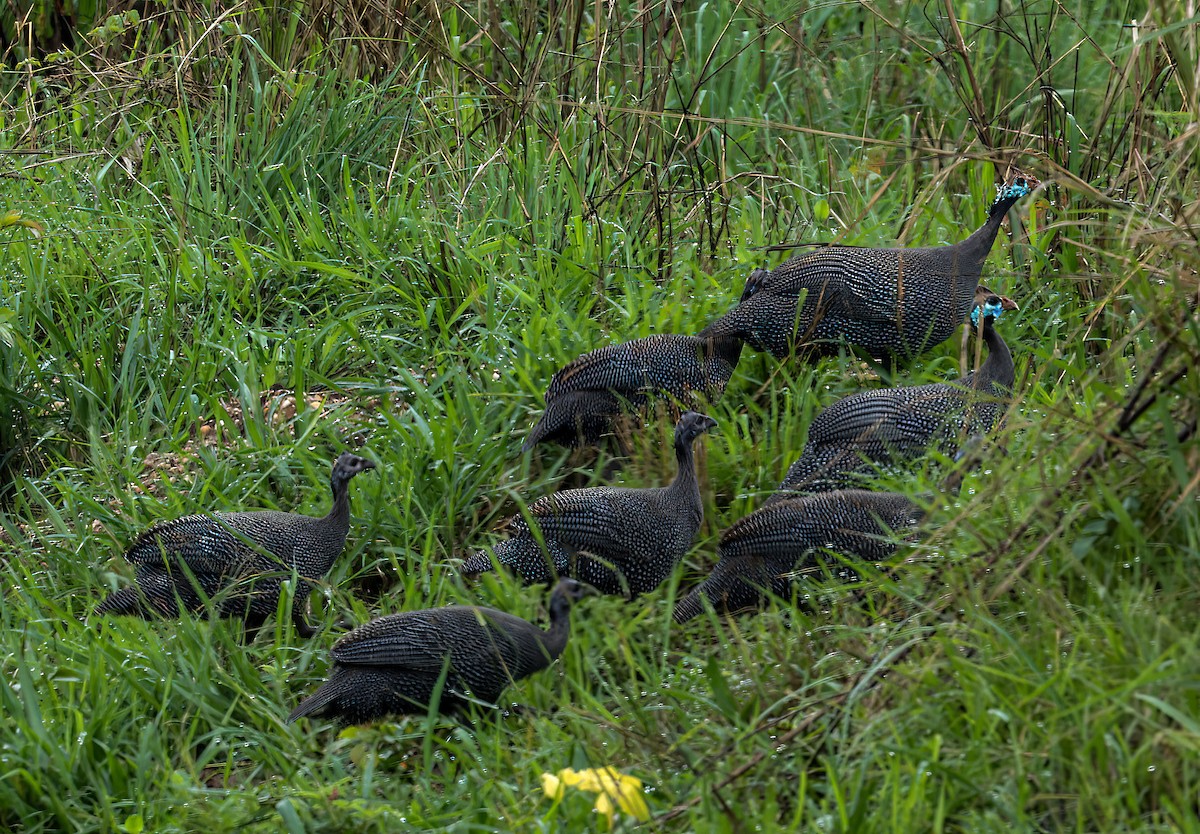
(992, 311)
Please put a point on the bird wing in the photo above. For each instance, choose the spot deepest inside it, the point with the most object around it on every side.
(218, 544)
(589, 519)
(422, 640)
(608, 368)
(844, 281)
(854, 522)
(886, 415)
(668, 362)
(767, 532)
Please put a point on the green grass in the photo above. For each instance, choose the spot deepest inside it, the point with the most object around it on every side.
(403, 235)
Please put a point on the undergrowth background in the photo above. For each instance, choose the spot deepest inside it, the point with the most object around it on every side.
(237, 238)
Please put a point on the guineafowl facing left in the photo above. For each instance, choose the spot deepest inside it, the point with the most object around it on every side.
(586, 395)
(238, 561)
(617, 539)
(393, 665)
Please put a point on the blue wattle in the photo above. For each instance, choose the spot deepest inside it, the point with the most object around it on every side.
(993, 310)
(1017, 189)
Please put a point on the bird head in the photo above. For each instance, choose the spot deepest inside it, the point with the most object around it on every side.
(755, 283)
(1018, 185)
(691, 425)
(349, 464)
(574, 590)
(991, 304)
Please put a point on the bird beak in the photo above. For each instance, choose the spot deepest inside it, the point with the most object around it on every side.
(710, 423)
(1007, 303)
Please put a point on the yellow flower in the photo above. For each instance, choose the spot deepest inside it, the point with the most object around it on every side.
(552, 786)
(615, 789)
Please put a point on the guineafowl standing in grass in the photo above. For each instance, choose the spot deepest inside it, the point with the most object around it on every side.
(394, 664)
(619, 540)
(238, 561)
(890, 303)
(758, 552)
(852, 437)
(587, 394)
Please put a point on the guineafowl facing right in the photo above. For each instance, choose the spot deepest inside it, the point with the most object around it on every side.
(758, 552)
(890, 303)
(617, 539)
(847, 440)
(393, 665)
(237, 560)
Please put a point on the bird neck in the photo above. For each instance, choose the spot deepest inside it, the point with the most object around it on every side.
(713, 330)
(339, 513)
(727, 333)
(727, 347)
(997, 369)
(981, 240)
(554, 640)
(685, 475)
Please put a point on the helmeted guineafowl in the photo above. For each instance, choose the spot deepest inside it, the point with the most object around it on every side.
(847, 440)
(237, 560)
(758, 552)
(393, 664)
(586, 394)
(618, 539)
(890, 303)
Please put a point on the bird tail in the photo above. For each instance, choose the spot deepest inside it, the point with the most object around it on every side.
(481, 562)
(582, 416)
(550, 425)
(153, 595)
(689, 607)
(535, 435)
(128, 601)
(319, 703)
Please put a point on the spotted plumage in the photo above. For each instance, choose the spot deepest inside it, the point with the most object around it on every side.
(617, 539)
(393, 665)
(851, 438)
(758, 552)
(237, 561)
(586, 395)
(889, 303)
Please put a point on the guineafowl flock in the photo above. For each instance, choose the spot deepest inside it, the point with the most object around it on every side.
(888, 304)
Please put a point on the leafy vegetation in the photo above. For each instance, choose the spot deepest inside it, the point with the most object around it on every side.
(235, 241)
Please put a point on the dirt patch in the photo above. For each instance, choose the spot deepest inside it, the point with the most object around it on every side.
(279, 408)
